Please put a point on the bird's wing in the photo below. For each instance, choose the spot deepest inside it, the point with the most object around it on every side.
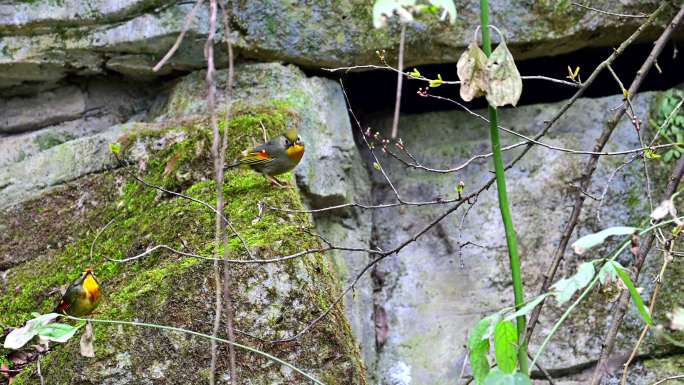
(68, 298)
(256, 156)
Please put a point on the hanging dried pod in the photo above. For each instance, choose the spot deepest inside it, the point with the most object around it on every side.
(471, 68)
(502, 78)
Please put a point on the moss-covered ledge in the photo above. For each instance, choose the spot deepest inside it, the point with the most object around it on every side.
(272, 300)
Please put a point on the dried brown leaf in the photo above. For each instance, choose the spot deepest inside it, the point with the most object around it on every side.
(471, 72)
(87, 348)
(502, 79)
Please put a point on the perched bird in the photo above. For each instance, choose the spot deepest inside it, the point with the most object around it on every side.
(277, 156)
(82, 296)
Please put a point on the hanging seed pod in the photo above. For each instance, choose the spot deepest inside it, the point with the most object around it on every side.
(503, 82)
(471, 68)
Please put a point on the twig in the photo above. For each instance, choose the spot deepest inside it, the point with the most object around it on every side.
(383, 254)
(186, 25)
(227, 275)
(534, 141)
(591, 164)
(637, 127)
(667, 257)
(201, 335)
(460, 234)
(360, 68)
(192, 199)
(99, 232)
(544, 371)
(218, 175)
(608, 184)
(608, 13)
(644, 247)
(400, 81)
(246, 261)
(664, 380)
(548, 125)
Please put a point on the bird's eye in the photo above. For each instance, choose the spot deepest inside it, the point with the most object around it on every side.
(287, 143)
(299, 140)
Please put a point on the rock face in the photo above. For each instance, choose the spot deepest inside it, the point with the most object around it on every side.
(429, 296)
(45, 42)
(46, 241)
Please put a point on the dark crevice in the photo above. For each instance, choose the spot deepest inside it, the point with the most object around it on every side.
(374, 91)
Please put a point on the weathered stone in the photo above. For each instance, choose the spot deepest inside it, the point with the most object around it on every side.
(271, 300)
(23, 114)
(104, 104)
(317, 35)
(436, 288)
(136, 66)
(57, 165)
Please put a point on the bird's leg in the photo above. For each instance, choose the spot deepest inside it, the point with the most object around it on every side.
(276, 183)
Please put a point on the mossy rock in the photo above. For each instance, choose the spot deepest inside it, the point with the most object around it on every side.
(53, 235)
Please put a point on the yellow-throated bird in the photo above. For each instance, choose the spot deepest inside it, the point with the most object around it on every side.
(82, 296)
(277, 156)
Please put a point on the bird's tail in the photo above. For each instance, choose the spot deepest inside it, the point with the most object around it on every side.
(232, 165)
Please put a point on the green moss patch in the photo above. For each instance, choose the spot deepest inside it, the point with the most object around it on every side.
(274, 301)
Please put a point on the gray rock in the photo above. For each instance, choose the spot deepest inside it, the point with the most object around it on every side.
(23, 114)
(101, 103)
(430, 300)
(59, 164)
(92, 36)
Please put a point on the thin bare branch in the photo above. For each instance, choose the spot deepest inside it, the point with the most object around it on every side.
(644, 248)
(534, 141)
(671, 378)
(667, 258)
(361, 68)
(99, 232)
(186, 25)
(609, 13)
(591, 165)
(218, 170)
(227, 276)
(400, 81)
(193, 199)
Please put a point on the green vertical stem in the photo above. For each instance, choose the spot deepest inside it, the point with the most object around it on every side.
(503, 201)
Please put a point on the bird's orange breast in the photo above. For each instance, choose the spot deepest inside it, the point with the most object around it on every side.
(295, 152)
(91, 288)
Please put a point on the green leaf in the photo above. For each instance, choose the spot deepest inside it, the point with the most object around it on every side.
(650, 154)
(460, 187)
(448, 6)
(636, 297)
(497, 377)
(377, 166)
(20, 336)
(436, 82)
(565, 288)
(668, 156)
(478, 347)
(592, 240)
(527, 308)
(57, 332)
(607, 273)
(115, 148)
(505, 346)
(415, 74)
